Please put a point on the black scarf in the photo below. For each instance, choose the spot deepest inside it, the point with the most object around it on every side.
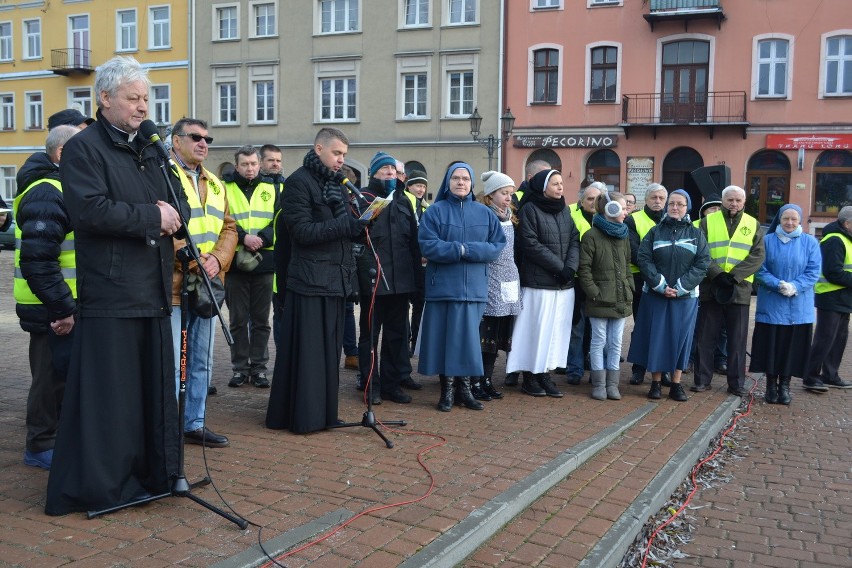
(331, 181)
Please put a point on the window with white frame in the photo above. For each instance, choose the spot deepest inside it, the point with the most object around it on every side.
(338, 99)
(461, 12)
(81, 99)
(126, 31)
(7, 182)
(543, 4)
(773, 56)
(599, 3)
(416, 13)
(160, 104)
(264, 19)
(459, 84)
(226, 20)
(838, 66)
(7, 111)
(159, 27)
(413, 88)
(34, 109)
(338, 16)
(546, 75)
(262, 80)
(225, 95)
(603, 78)
(5, 41)
(32, 39)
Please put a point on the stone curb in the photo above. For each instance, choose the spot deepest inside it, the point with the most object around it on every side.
(612, 547)
(462, 540)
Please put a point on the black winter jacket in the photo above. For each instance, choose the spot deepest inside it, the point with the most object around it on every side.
(267, 261)
(394, 237)
(545, 244)
(43, 222)
(321, 261)
(665, 251)
(833, 257)
(111, 187)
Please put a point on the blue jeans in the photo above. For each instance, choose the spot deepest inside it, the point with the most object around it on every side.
(606, 342)
(199, 367)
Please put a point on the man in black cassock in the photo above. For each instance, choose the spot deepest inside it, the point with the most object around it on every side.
(118, 431)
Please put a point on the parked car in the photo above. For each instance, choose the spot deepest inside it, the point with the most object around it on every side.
(7, 237)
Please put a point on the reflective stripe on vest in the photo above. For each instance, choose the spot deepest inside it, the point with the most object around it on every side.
(206, 221)
(822, 286)
(579, 221)
(255, 216)
(643, 225)
(67, 260)
(730, 251)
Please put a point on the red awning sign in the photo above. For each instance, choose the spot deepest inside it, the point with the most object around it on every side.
(809, 141)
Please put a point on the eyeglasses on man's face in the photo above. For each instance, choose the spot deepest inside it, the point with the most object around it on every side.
(197, 137)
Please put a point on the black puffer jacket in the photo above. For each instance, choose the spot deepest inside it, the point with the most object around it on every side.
(667, 251)
(321, 261)
(545, 243)
(394, 237)
(111, 188)
(833, 258)
(43, 221)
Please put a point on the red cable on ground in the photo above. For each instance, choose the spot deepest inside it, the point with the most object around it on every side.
(695, 472)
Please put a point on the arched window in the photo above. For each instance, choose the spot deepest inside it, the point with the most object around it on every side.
(548, 156)
(414, 165)
(768, 176)
(604, 166)
(832, 182)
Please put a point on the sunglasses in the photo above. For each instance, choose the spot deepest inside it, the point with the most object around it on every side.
(198, 137)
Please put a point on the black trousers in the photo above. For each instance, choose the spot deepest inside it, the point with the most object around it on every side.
(249, 299)
(50, 355)
(637, 297)
(712, 316)
(390, 317)
(830, 335)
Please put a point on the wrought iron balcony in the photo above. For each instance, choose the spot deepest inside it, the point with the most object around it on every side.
(71, 61)
(711, 110)
(684, 10)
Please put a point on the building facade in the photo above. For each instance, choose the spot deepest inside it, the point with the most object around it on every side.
(401, 76)
(49, 52)
(630, 93)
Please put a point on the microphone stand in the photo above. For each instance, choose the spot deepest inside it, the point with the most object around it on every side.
(181, 487)
(368, 420)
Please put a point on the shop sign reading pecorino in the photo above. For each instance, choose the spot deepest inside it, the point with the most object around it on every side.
(565, 141)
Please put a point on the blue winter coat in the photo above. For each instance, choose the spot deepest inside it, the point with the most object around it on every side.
(448, 226)
(797, 262)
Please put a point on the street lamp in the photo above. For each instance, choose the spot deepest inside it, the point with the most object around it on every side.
(491, 143)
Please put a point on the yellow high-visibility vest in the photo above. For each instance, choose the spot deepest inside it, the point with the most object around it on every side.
(206, 221)
(67, 259)
(730, 251)
(643, 225)
(255, 216)
(579, 221)
(822, 286)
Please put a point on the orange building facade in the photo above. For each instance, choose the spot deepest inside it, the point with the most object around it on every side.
(630, 93)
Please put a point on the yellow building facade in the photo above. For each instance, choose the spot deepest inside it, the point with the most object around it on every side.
(51, 49)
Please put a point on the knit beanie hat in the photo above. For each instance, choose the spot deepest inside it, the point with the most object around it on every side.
(494, 181)
(417, 176)
(380, 160)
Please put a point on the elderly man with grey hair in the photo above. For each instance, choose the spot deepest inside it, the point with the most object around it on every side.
(117, 443)
(736, 252)
(638, 225)
(833, 301)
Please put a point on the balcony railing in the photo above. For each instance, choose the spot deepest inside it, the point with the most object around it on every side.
(712, 109)
(72, 60)
(684, 10)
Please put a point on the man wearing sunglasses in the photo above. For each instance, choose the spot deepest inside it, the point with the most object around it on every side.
(214, 233)
(248, 289)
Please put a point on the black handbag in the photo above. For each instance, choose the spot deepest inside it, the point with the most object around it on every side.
(200, 302)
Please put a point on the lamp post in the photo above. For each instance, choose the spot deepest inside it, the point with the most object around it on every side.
(491, 143)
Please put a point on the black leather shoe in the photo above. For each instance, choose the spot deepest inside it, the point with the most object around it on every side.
(511, 379)
(205, 437)
(637, 378)
(721, 369)
(573, 380)
(666, 379)
(397, 395)
(211, 390)
(410, 383)
(260, 381)
(737, 391)
(237, 380)
(700, 388)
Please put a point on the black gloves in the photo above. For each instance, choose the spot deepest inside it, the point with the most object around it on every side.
(357, 226)
(566, 275)
(725, 279)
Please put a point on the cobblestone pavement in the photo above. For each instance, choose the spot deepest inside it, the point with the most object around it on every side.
(788, 501)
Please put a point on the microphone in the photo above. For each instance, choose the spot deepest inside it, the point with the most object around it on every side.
(349, 185)
(149, 131)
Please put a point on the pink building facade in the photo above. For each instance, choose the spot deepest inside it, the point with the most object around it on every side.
(630, 93)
